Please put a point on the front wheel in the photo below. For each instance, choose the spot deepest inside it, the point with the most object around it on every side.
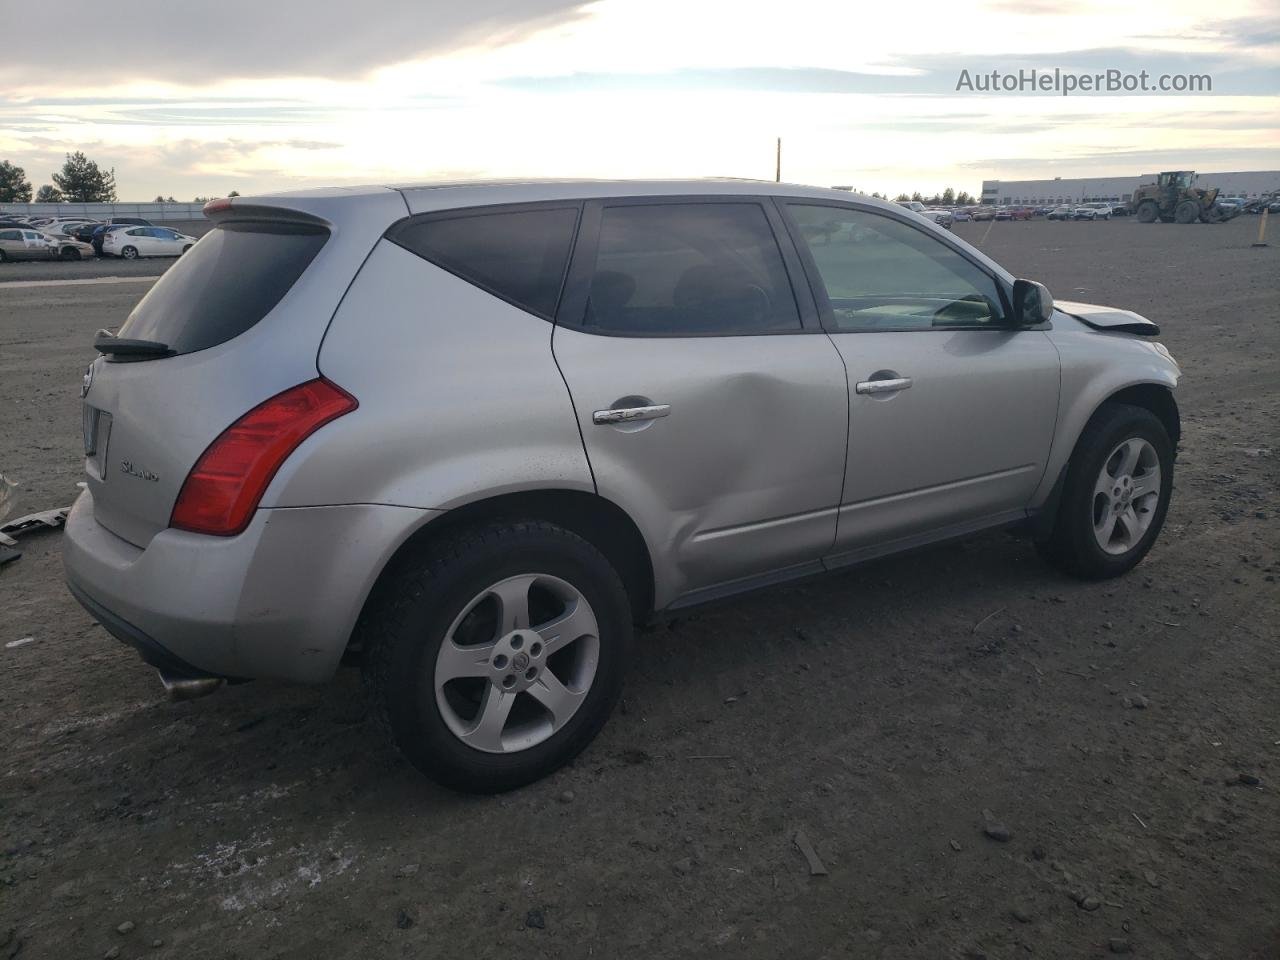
(496, 656)
(70, 253)
(1117, 492)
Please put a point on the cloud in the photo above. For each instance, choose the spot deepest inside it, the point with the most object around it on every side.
(198, 43)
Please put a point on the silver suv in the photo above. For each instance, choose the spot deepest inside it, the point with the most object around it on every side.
(469, 434)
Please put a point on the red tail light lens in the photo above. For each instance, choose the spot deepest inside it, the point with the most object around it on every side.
(223, 489)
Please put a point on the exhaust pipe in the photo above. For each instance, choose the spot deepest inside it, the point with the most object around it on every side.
(189, 688)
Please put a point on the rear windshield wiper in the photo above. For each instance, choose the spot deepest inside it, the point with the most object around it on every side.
(108, 343)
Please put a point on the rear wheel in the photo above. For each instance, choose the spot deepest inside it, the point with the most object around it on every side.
(1148, 212)
(129, 253)
(1117, 493)
(3, 256)
(185, 249)
(70, 253)
(497, 656)
(1188, 211)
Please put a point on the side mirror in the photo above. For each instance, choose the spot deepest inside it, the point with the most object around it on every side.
(1032, 303)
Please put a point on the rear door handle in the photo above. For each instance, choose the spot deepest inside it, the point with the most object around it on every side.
(629, 414)
(868, 387)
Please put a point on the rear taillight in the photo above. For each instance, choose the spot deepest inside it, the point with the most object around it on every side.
(222, 490)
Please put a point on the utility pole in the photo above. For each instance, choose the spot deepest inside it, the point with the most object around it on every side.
(777, 164)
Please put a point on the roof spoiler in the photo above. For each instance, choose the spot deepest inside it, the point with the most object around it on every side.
(227, 209)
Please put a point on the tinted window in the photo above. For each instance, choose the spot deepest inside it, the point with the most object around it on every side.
(883, 274)
(689, 269)
(518, 255)
(11, 235)
(227, 282)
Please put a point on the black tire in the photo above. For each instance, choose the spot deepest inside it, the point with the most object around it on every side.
(129, 253)
(404, 624)
(1148, 211)
(185, 249)
(1072, 546)
(4, 257)
(70, 253)
(1188, 211)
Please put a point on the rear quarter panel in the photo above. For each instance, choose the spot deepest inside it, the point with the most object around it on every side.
(460, 397)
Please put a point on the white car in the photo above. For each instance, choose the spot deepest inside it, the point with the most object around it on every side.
(941, 217)
(134, 242)
(1092, 211)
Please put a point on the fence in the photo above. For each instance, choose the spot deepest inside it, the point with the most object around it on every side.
(154, 212)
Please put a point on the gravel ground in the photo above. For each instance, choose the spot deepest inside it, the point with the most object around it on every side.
(1124, 735)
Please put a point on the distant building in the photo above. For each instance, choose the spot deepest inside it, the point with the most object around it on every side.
(1117, 189)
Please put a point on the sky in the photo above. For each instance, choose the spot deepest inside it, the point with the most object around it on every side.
(260, 96)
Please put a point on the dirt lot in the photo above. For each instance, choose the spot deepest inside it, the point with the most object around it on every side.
(881, 711)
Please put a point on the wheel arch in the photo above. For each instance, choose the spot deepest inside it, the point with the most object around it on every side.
(1156, 397)
(597, 520)
(1149, 395)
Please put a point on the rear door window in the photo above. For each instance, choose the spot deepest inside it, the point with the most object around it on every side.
(689, 269)
(224, 285)
(519, 255)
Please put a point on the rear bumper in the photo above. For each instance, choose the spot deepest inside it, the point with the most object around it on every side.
(278, 601)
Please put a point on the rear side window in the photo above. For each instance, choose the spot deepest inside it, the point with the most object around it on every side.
(518, 255)
(224, 285)
(689, 269)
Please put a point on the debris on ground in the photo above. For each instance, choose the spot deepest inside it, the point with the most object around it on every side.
(53, 519)
(994, 829)
(816, 866)
(14, 644)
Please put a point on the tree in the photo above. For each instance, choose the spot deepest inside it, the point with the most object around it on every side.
(14, 185)
(81, 181)
(48, 194)
(917, 197)
(200, 200)
(948, 197)
(963, 197)
(902, 196)
(233, 193)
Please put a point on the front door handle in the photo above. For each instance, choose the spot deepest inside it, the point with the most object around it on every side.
(629, 414)
(871, 387)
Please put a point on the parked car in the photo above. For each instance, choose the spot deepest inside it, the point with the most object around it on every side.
(984, 213)
(67, 247)
(943, 218)
(133, 242)
(99, 234)
(62, 224)
(961, 216)
(84, 231)
(133, 221)
(1003, 213)
(1061, 212)
(1092, 211)
(24, 244)
(315, 453)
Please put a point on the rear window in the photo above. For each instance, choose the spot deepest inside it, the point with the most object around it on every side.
(518, 255)
(224, 285)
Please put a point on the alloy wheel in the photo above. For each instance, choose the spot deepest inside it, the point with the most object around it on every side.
(1126, 495)
(517, 663)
